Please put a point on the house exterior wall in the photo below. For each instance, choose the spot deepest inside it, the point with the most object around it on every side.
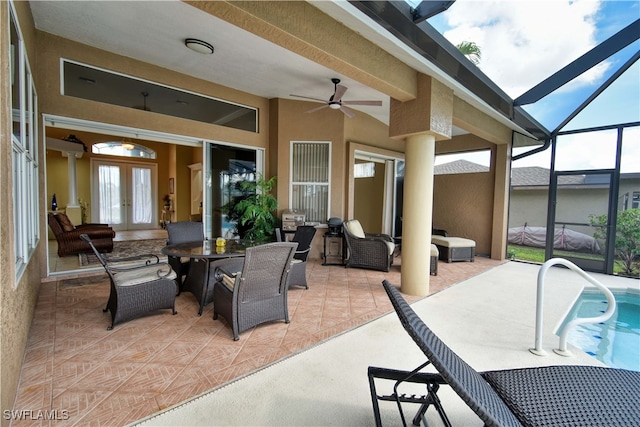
(17, 300)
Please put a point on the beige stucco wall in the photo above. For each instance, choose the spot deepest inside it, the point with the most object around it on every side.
(17, 300)
(368, 200)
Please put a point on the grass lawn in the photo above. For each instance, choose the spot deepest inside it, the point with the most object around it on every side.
(527, 253)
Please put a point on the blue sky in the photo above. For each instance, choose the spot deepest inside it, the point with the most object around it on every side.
(523, 42)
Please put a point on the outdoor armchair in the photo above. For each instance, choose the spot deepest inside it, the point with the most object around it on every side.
(68, 235)
(367, 250)
(137, 289)
(256, 292)
(565, 396)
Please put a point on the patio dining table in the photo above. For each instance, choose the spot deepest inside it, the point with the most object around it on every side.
(201, 255)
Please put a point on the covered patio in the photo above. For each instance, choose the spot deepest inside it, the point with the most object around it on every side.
(73, 364)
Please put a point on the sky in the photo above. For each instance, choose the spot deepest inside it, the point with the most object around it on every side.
(523, 42)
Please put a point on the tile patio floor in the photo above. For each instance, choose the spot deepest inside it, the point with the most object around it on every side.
(91, 376)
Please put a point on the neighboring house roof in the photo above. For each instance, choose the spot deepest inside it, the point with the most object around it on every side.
(536, 176)
(459, 166)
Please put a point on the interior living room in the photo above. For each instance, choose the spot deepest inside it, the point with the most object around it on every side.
(140, 114)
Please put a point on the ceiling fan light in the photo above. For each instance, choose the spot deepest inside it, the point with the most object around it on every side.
(199, 46)
(335, 106)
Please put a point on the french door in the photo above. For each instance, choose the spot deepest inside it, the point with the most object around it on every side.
(123, 194)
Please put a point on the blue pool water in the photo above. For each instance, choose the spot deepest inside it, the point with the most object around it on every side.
(615, 342)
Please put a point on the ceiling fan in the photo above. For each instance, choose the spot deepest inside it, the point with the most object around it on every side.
(335, 102)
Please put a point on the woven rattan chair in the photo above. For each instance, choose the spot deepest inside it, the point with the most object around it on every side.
(137, 290)
(303, 237)
(546, 396)
(183, 232)
(68, 235)
(257, 291)
(367, 250)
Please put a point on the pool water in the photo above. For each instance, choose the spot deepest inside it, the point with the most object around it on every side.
(615, 342)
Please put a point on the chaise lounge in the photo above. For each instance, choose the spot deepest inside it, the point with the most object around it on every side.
(578, 396)
(68, 235)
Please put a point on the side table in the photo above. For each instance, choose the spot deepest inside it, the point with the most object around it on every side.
(334, 249)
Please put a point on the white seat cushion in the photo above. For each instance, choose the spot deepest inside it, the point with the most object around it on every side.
(149, 273)
(434, 250)
(453, 242)
(229, 282)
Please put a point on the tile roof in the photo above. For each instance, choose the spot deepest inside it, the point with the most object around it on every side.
(459, 166)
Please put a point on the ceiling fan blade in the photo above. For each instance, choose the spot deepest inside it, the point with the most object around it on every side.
(373, 103)
(308, 97)
(340, 91)
(317, 108)
(348, 112)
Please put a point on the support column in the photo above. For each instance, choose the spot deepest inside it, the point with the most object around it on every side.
(417, 214)
(73, 179)
(420, 122)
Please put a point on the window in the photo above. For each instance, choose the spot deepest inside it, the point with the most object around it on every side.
(24, 139)
(310, 172)
(635, 200)
(125, 148)
(364, 170)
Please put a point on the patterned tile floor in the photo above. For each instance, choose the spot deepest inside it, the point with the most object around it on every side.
(80, 373)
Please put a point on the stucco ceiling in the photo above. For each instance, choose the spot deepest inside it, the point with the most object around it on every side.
(154, 32)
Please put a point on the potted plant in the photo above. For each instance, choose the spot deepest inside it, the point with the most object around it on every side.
(254, 211)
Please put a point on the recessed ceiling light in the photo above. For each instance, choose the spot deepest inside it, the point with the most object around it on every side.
(199, 46)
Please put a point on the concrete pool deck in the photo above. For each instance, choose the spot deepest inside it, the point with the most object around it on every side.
(488, 320)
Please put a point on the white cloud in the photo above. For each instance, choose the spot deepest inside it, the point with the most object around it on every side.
(523, 41)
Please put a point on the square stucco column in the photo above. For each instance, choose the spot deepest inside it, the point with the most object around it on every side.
(420, 122)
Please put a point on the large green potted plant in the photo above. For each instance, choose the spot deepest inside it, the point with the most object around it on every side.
(254, 210)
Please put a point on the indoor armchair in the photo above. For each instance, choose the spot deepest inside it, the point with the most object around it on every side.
(68, 235)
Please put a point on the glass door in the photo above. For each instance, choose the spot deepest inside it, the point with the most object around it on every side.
(124, 195)
(581, 228)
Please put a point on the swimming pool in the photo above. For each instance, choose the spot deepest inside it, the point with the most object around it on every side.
(615, 342)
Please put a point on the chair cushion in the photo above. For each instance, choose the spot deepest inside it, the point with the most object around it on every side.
(144, 274)
(65, 222)
(453, 242)
(355, 228)
(391, 246)
(434, 250)
(229, 282)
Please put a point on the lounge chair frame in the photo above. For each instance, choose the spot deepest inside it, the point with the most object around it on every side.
(567, 395)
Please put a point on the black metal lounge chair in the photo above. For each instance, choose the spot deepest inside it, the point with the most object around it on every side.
(545, 396)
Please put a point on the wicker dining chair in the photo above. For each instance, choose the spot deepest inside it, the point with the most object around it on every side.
(137, 290)
(303, 237)
(183, 232)
(257, 291)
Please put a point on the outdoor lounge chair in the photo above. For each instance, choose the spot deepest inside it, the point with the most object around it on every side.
(137, 290)
(544, 396)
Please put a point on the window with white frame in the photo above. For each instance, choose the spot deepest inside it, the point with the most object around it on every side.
(310, 172)
(24, 138)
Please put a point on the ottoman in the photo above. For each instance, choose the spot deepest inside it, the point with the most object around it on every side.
(433, 265)
(454, 248)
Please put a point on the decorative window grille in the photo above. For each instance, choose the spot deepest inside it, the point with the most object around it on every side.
(310, 172)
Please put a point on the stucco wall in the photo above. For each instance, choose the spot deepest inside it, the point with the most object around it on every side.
(17, 300)
(463, 205)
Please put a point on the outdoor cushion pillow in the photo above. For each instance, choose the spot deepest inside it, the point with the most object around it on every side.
(355, 228)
